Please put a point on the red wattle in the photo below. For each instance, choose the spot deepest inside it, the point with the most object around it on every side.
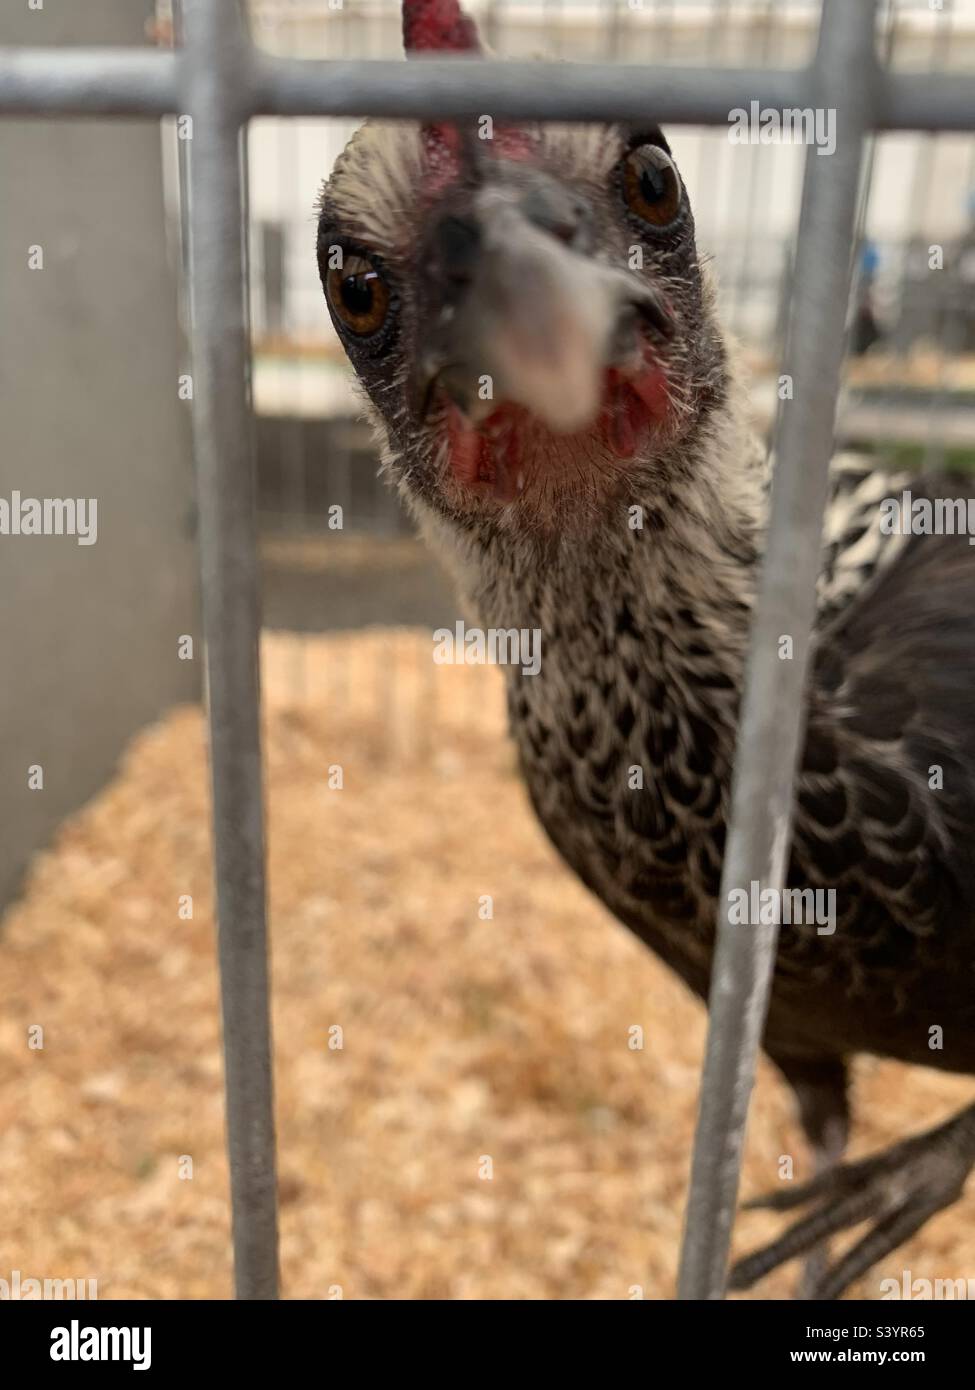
(651, 387)
(468, 451)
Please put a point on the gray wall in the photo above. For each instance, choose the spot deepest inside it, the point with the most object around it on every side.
(89, 360)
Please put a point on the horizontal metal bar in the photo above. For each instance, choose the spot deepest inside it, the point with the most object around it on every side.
(425, 89)
(130, 81)
(88, 82)
(925, 101)
(773, 709)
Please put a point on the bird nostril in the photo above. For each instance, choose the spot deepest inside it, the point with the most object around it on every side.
(561, 217)
(564, 231)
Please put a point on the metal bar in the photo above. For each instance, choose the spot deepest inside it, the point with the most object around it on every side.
(105, 82)
(772, 716)
(215, 42)
(926, 101)
(428, 88)
(88, 82)
(433, 87)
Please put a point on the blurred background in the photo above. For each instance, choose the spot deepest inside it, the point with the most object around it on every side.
(464, 1036)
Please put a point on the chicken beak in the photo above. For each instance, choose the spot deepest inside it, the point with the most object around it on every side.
(535, 323)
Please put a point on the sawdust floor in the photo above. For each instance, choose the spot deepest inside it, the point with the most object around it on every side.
(463, 1038)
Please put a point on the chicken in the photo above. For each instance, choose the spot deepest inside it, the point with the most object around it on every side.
(536, 334)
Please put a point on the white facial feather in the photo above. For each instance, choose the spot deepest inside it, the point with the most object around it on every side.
(373, 187)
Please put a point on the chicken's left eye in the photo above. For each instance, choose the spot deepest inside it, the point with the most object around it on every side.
(359, 296)
(651, 186)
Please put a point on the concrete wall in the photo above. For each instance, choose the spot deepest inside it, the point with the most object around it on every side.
(89, 360)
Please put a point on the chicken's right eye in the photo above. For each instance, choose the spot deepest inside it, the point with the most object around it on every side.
(359, 296)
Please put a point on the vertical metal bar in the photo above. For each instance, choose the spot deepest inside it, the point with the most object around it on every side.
(217, 57)
(773, 711)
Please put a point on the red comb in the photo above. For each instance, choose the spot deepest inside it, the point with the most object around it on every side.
(429, 25)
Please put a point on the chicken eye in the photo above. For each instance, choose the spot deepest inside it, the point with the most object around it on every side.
(651, 186)
(358, 295)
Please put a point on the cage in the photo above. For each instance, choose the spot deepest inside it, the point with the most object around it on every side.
(165, 269)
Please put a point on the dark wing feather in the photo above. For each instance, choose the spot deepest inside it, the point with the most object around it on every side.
(892, 701)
